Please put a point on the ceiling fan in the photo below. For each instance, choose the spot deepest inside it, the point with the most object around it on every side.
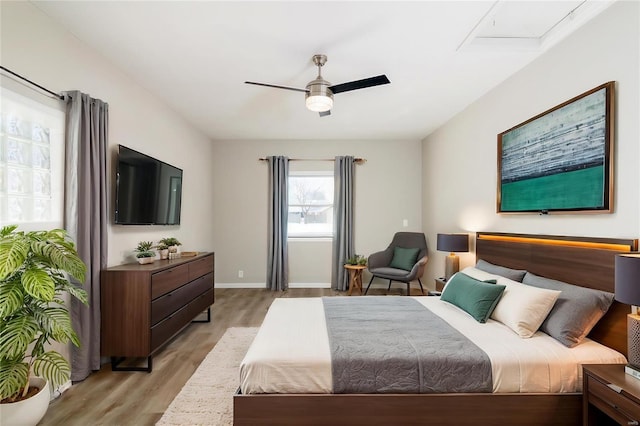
(319, 92)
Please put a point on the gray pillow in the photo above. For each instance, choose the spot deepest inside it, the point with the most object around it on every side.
(575, 312)
(512, 274)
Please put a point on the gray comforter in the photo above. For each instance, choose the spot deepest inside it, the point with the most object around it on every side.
(396, 345)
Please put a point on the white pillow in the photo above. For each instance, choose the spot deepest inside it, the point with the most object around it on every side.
(523, 308)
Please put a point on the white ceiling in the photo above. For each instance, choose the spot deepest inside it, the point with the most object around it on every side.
(439, 55)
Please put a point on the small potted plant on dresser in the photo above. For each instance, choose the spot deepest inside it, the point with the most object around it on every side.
(32, 314)
(173, 244)
(145, 254)
(163, 249)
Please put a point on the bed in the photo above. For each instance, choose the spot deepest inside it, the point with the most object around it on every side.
(585, 261)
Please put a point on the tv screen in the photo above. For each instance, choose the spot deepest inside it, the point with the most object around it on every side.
(148, 191)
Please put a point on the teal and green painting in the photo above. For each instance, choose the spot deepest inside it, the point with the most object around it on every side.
(557, 161)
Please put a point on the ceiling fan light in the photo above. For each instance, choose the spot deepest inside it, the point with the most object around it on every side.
(319, 103)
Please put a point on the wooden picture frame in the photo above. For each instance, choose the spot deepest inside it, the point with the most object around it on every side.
(560, 160)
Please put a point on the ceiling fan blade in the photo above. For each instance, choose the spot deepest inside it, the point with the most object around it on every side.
(277, 86)
(360, 84)
(324, 113)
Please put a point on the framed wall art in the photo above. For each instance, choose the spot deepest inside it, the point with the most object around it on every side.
(560, 160)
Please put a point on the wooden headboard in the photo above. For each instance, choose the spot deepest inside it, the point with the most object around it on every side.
(582, 261)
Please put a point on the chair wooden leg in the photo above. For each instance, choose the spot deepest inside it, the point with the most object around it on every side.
(389, 288)
(409, 288)
(421, 289)
(370, 281)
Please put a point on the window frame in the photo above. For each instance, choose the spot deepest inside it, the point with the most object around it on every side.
(302, 236)
(52, 115)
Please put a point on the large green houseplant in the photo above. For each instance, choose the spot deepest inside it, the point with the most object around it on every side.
(32, 311)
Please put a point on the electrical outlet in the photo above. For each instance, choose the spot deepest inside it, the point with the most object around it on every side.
(405, 223)
(241, 274)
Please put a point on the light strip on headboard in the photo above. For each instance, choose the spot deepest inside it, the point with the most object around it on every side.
(549, 241)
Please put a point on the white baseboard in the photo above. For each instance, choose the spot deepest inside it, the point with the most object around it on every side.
(263, 285)
(309, 285)
(55, 393)
(240, 285)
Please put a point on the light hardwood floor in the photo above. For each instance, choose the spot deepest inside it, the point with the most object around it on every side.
(138, 398)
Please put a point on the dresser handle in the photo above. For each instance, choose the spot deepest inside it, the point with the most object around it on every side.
(617, 389)
(632, 423)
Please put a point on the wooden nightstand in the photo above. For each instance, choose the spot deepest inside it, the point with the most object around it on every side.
(609, 396)
(440, 282)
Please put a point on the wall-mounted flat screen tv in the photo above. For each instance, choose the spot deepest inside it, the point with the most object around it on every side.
(148, 191)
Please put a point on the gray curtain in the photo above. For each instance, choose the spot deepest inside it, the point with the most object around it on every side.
(342, 221)
(278, 258)
(85, 216)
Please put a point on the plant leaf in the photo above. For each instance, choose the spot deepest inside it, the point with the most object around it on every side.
(6, 230)
(16, 336)
(61, 255)
(53, 367)
(58, 324)
(11, 297)
(14, 376)
(39, 284)
(78, 293)
(13, 253)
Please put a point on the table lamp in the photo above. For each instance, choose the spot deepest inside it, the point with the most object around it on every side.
(627, 290)
(452, 243)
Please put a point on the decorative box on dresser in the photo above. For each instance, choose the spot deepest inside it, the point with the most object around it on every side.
(144, 306)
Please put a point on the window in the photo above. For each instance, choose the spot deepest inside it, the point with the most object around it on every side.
(310, 205)
(31, 162)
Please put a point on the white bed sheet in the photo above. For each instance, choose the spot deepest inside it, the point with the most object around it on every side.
(291, 353)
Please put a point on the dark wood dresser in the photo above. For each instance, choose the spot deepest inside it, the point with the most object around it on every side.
(144, 306)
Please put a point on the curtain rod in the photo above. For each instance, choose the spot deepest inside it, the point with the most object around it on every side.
(57, 95)
(356, 160)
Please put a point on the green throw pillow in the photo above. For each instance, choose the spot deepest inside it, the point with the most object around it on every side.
(404, 258)
(477, 298)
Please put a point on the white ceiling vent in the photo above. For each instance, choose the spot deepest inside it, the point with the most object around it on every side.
(529, 25)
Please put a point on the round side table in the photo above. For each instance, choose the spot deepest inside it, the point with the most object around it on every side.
(355, 276)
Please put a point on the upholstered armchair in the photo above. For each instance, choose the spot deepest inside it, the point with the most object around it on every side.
(403, 261)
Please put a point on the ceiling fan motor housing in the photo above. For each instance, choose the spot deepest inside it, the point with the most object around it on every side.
(319, 97)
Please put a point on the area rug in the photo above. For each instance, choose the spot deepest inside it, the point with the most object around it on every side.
(207, 397)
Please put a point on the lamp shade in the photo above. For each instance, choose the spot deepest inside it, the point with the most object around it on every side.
(453, 242)
(627, 278)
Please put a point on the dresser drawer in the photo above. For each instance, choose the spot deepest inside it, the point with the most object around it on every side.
(164, 330)
(611, 402)
(165, 281)
(200, 267)
(171, 302)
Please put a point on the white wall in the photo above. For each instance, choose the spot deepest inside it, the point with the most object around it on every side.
(459, 159)
(37, 48)
(388, 188)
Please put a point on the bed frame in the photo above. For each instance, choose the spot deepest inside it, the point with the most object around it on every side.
(588, 262)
